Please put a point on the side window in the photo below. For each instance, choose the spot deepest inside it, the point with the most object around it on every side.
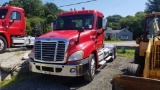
(18, 15)
(99, 23)
(60, 24)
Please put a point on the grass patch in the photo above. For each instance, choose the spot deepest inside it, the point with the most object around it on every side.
(14, 80)
(112, 40)
(128, 53)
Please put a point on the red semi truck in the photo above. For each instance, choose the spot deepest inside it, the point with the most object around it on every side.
(74, 48)
(13, 28)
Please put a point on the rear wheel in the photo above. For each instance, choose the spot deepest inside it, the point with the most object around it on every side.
(3, 44)
(91, 70)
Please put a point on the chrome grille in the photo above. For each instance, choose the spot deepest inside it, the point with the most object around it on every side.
(49, 51)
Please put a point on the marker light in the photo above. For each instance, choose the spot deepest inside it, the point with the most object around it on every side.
(71, 9)
(153, 12)
(83, 8)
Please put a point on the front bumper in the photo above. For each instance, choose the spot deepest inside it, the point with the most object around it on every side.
(72, 69)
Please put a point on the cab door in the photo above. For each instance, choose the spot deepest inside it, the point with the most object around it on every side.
(15, 26)
(100, 34)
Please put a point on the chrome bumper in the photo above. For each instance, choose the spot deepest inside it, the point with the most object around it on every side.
(72, 69)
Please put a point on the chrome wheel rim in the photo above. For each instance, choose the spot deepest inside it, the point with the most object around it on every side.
(1, 44)
(92, 67)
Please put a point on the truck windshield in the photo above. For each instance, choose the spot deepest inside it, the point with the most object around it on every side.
(75, 22)
(151, 30)
(3, 13)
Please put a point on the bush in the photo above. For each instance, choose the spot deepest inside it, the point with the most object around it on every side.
(38, 23)
(112, 39)
(115, 39)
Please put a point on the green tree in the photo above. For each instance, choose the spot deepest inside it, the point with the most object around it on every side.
(113, 21)
(50, 18)
(135, 24)
(50, 9)
(114, 18)
(33, 8)
(38, 23)
(152, 5)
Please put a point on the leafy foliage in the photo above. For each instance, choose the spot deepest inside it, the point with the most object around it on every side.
(135, 24)
(152, 5)
(113, 21)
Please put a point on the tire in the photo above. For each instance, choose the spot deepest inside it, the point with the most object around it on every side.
(3, 44)
(134, 70)
(89, 76)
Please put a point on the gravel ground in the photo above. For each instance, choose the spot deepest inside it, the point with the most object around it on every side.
(13, 54)
(102, 80)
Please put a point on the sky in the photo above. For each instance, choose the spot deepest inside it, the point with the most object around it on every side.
(107, 7)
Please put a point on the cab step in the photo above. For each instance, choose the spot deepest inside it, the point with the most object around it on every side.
(102, 62)
(108, 58)
(102, 65)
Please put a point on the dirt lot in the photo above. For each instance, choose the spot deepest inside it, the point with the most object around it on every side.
(102, 80)
(13, 54)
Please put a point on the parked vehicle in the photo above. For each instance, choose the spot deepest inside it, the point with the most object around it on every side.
(144, 72)
(74, 48)
(13, 28)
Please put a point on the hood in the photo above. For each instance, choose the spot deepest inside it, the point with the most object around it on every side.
(68, 34)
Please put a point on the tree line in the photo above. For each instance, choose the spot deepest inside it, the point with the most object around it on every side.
(135, 23)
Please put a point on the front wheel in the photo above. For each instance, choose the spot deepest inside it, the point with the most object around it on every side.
(3, 44)
(91, 70)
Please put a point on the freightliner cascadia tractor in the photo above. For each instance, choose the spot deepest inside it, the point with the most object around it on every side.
(75, 46)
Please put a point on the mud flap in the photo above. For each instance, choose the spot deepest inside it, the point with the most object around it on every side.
(124, 82)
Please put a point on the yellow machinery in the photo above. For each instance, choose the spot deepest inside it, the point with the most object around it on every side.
(144, 73)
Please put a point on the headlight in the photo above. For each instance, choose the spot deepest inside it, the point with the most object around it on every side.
(31, 54)
(76, 56)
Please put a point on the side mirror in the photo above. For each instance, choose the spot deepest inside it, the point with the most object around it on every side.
(81, 29)
(34, 32)
(14, 15)
(104, 23)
